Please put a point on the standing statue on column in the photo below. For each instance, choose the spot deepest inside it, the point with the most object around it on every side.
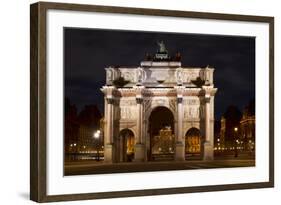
(140, 75)
(109, 76)
(178, 76)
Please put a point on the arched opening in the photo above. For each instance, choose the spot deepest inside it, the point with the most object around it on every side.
(162, 135)
(127, 142)
(192, 143)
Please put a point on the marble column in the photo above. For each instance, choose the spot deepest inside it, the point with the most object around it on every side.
(139, 141)
(108, 138)
(180, 143)
(208, 152)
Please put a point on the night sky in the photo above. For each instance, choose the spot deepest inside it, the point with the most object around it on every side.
(88, 51)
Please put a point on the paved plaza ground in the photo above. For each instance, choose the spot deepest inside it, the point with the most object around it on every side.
(93, 167)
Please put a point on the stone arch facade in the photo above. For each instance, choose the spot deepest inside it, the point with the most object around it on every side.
(152, 85)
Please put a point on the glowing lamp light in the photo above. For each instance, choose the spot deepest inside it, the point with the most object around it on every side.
(97, 135)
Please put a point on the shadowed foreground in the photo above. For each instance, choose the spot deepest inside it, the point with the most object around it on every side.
(83, 168)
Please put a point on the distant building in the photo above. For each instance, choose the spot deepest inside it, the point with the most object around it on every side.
(89, 123)
(71, 131)
(86, 142)
(164, 142)
(220, 140)
(90, 116)
(247, 130)
(79, 132)
(237, 134)
(230, 123)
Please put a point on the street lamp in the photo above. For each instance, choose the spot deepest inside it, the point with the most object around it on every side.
(97, 135)
(236, 141)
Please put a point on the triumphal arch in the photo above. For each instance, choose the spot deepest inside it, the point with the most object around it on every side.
(159, 110)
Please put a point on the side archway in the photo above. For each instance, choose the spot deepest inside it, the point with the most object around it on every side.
(192, 142)
(126, 145)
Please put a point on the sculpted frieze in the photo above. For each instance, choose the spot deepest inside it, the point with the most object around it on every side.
(191, 112)
(192, 101)
(127, 75)
(172, 104)
(130, 102)
(127, 113)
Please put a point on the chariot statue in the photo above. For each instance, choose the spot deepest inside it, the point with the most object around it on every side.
(162, 47)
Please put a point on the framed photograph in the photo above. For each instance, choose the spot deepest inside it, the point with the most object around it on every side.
(134, 102)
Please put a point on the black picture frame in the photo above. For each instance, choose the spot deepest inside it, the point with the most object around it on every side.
(38, 105)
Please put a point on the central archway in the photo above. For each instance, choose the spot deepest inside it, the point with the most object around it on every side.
(162, 134)
(192, 143)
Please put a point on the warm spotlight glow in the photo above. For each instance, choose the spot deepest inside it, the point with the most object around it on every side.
(97, 134)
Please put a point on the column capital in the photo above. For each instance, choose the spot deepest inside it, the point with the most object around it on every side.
(179, 89)
(139, 100)
(179, 100)
(108, 90)
(207, 99)
(110, 100)
(209, 90)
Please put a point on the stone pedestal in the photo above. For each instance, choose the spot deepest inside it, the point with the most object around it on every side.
(208, 151)
(108, 153)
(139, 152)
(180, 151)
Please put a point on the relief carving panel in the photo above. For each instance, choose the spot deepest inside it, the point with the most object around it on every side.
(128, 113)
(128, 75)
(191, 112)
(128, 102)
(192, 101)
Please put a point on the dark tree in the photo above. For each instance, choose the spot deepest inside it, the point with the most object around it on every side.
(232, 116)
(250, 108)
(90, 116)
(217, 128)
